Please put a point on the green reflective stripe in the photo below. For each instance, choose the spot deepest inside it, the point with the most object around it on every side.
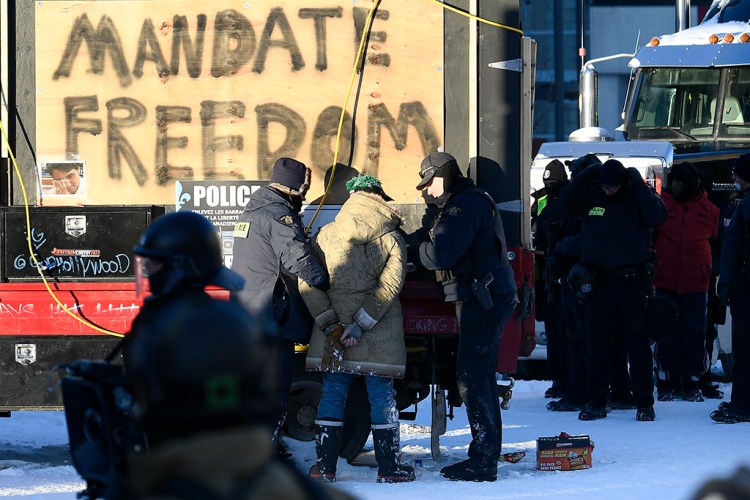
(541, 203)
(596, 211)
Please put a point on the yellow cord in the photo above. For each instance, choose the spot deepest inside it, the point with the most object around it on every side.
(31, 249)
(360, 51)
(476, 18)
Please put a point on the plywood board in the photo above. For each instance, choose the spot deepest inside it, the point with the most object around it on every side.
(150, 92)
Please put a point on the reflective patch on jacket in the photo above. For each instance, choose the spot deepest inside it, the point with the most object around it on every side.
(241, 230)
(287, 220)
(596, 211)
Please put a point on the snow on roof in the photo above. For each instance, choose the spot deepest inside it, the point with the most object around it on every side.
(698, 35)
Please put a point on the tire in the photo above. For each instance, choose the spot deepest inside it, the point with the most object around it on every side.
(302, 410)
(304, 397)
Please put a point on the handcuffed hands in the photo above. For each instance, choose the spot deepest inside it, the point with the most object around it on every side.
(352, 333)
(333, 348)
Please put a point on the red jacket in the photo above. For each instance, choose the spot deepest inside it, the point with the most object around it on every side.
(683, 253)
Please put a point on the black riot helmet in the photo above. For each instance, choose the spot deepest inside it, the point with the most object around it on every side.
(182, 249)
(207, 365)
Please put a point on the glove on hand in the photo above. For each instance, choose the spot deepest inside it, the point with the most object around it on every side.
(333, 349)
(352, 331)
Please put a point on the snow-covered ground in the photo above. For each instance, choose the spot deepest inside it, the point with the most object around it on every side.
(665, 459)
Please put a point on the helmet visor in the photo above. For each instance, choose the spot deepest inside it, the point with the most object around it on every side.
(145, 267)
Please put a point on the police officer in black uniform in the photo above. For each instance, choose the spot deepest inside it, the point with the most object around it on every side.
(548, 231)
(618, 220)
(177, 256)
(271, 250)
(734, 290)
(468, 252)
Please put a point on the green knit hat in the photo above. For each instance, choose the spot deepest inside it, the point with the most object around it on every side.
(367, 183)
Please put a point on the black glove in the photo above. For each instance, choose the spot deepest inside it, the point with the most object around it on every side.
(725, 294)
(352, 330)
(589, 174)
(635, 176)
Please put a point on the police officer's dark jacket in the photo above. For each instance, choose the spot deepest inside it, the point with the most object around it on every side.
(464, 243)
(270, 252)
(734, 268)
(616, 230)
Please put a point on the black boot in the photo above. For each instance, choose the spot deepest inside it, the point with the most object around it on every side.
(327, 439)
(665, 390)
(387, 450)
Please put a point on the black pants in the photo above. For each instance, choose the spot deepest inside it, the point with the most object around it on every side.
(475, 372)
(573, 311)
(557, 343)
(618, 306)
(285, 362)
(740, 310)
(681, 355)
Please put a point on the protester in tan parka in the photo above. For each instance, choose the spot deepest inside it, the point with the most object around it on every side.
(359, 324)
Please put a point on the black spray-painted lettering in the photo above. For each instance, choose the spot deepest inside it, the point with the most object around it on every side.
(149, 50)
(75, 125)
(234, 43)
(210, 111)
(323, 146)
(360, 19)
(193, 53)
(409, 113)
(295, 134)
(319, 18)
(163, 170)
(124, 112)
(277, 17)
(105, 38)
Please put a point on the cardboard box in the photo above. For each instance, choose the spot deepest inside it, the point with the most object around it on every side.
(564, 452)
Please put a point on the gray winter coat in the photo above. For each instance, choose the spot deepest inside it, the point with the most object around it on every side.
(365, 256)
(271, 251)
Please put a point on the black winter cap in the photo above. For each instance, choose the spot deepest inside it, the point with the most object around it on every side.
(430, 165)
(292, 174)
(612, 173)
(742, 167)
(555, 171)
(579, 164)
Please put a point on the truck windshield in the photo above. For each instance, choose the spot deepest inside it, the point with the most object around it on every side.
(685, 104)
(729, 11)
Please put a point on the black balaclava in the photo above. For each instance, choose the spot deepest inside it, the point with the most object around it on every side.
(554, 177)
